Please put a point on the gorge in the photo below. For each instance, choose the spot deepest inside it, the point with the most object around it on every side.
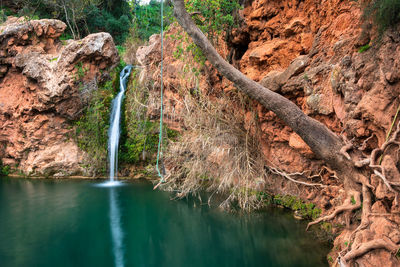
(327, 60)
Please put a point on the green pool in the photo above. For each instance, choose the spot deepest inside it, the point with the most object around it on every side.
(76, 223)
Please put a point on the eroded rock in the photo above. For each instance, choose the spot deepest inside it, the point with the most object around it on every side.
(39, 93)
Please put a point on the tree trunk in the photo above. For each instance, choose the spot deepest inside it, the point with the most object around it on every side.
(323, 142)
(67, 19)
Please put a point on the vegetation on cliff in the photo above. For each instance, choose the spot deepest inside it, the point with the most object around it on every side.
(91, 130)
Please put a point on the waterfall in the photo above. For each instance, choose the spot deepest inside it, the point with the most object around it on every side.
(115, 119)
(113, 142)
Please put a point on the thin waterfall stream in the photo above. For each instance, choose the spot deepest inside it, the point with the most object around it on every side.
(115, 123)
(113, 142)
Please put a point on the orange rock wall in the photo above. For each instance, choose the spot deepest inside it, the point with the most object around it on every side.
(40, 95)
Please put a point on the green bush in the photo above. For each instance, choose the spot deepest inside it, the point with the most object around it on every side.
(142, 138)
(103, 20)
(90, 16)
(4, 170)
(386, 13)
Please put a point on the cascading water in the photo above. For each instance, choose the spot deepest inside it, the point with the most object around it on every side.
(114, 131)
(113, 142)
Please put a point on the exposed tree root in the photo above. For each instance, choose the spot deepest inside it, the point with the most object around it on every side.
(346, 148)
(352, 202)
(289, 177)
(383, 243)
(365, 222)
(362, 163)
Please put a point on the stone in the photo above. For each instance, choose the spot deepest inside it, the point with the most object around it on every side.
(35, 117)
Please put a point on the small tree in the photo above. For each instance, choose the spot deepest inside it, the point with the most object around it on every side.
(74, 12)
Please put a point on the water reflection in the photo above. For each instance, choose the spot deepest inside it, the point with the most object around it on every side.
(116, 230)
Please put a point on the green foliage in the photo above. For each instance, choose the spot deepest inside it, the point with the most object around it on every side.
(4, 170)
(216, 16)
(121, 53)
(139, 135)
(104, 20)
(353, 201)
(91, 130)
(330, 259)
(364, 48)
(142, 140)
(147, 18)
(386, 13)
(82, 16)
(306, 210)
(53, 59)
(80, 71)
(3, 16)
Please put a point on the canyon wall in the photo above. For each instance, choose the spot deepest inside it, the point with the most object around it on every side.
(44, 85)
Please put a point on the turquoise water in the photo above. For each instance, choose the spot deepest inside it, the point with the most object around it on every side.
(74, 223)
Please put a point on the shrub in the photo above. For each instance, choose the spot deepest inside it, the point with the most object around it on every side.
(4, 170)
(386, 13)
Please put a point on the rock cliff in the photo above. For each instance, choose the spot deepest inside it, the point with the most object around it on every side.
(310, 52)
(43, 86)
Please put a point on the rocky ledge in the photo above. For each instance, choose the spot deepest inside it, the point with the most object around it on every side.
(41, 81)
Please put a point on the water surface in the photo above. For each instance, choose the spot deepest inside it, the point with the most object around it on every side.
(74, 223)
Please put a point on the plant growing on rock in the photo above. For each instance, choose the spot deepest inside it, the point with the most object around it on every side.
(4, 170)
(91, 129)
(354, 170)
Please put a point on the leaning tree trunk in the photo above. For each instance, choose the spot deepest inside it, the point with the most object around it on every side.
(323, 142)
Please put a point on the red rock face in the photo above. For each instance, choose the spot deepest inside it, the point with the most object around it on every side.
(39, 93)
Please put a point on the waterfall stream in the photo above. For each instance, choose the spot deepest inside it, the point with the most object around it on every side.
(114, 131)
(115, 120)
